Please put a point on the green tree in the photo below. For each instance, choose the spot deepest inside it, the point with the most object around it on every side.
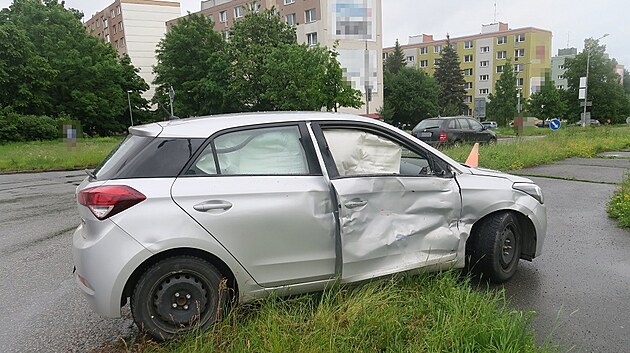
(409, 96)
(62, 71)
(608, 96)
(502, 104)
(450, 78)
(549, 102)
(192, 58)
(395, 60)
(252, 39)
(626, 81)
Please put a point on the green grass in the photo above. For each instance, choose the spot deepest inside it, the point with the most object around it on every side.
(527, 131)
(54, 155)
(426, 313)
(619, 206)
(570, 142)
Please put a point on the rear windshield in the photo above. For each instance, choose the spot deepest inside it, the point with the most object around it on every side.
(428, 124)
(147, 157)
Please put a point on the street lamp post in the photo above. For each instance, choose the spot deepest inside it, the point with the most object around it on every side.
(130, 112)
(588, 64)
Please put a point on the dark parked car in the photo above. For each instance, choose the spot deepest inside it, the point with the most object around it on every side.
(453, 130)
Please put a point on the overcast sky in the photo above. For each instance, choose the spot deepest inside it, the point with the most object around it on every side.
(570, 21)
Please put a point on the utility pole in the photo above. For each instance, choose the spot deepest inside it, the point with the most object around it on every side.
(368, 95)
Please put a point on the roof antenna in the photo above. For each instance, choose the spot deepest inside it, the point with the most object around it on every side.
(495, 12)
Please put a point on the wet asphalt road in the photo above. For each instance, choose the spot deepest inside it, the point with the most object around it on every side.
(41, 309)
(579, 287)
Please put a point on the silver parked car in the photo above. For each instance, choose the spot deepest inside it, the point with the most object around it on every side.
(186, 215)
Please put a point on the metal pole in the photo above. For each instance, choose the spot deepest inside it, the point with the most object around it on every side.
(588, 61)
(130, 112)
(518, 105)
(367, 79)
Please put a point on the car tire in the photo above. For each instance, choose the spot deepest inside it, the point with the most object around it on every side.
(496, 247)
(492, 141)
(178, 294)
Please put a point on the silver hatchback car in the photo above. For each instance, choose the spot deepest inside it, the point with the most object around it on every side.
(184, 216)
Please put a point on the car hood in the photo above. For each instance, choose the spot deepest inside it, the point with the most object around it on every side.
(498, 174)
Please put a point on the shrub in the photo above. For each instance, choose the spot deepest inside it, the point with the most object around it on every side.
(619, 206)
(15, 127)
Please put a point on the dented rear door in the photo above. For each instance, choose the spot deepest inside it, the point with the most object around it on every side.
(397, 210)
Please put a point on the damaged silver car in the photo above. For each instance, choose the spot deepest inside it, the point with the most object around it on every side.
(186, 215)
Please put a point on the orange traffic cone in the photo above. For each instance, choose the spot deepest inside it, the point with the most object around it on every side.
(473, 157)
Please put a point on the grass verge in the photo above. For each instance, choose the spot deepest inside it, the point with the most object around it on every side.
(570, 142)
(426, 313)
(54, 155)
(619, 206)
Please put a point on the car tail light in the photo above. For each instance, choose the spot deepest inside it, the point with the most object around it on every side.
(443, 136)
(106, 201)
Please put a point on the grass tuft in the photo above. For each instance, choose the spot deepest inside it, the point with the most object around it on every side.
(619, 206)
(427, 313)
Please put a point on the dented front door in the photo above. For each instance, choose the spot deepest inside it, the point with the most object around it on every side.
(395, 212)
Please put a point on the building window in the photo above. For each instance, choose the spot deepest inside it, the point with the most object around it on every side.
(238, 12)
(120, 26)
(468, 112)
(226, 35)
(468, 72)
(209, 17)
(107, 38)
(311, 38)
(519, 38)
(501, 54)
(468, 44)
(483, 91)
(518, 53)
(105, 23)
(309, 15)
(116, 45)
(287, 2)
(484, 77)
(122, 42)
(468, 58)
(468, 99)
(118, 10)
(560, 87)
(437, 49)
(112, 14)
(468, 85)
(485, 49)
(560, 77)
(424, 63)
(484, 63)
(436, 62)
(223, 16)
(501, 40)
(411, 58)
(519, 67)
(519, 81)
(255, 7)
(499, 69)
(423, 50)
(290, 19)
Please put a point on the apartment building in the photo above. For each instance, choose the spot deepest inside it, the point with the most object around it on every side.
(557, 66)
(135, 27)
(355, 24)
(483, 56)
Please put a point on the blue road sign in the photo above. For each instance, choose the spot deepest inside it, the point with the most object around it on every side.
(554, 124)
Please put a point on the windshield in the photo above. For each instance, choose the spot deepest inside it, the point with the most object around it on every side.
(428, 124)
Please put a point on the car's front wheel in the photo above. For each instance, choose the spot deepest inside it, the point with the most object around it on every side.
(496, 247)
(177, 294)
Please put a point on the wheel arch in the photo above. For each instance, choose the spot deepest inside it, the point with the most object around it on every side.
(204, 255)
(528, 235)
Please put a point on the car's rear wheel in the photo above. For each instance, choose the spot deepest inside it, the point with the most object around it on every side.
(496, 247)
(177, 294)
(492, 141)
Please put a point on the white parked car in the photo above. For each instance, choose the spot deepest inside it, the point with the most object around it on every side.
(184, 215)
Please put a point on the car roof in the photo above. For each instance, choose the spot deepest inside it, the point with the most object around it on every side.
(449, 117)
(204, 126)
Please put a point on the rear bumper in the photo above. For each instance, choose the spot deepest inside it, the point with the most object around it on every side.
(103, 264)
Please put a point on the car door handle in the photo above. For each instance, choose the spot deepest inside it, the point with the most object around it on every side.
(355, 203)
(212, 205)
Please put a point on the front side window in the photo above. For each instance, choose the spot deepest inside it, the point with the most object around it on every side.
(261, 151)
(363, 153)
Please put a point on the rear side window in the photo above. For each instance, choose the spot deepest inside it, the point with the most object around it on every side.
(260, 151)
(464, 124)
(147, 157)
(453, 124)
